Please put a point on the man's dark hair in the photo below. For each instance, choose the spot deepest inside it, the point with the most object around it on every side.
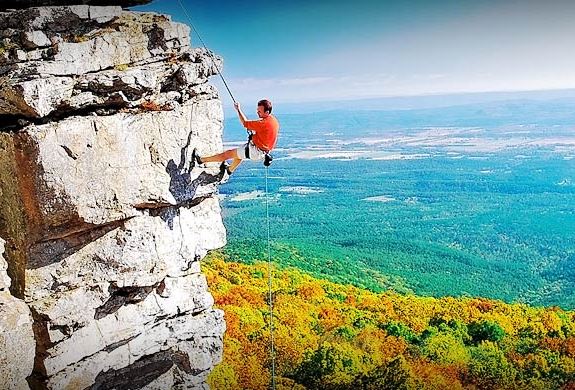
(266, 104)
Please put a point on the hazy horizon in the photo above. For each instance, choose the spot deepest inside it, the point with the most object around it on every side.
(407, 102)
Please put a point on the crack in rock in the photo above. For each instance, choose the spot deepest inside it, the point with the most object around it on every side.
(143, 371)
(121, 296)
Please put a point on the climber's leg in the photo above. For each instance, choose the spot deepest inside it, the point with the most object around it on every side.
(227, 155)
(234, 165)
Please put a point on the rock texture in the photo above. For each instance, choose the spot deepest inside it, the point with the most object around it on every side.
(104, 214)
(15, 4)
(59, 60)
(16, 337)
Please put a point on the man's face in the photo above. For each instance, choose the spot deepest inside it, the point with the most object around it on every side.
(261, 112)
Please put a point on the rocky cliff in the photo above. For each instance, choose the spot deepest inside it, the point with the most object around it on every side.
(104, 217)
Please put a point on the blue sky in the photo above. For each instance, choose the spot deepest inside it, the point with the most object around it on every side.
(298, 51)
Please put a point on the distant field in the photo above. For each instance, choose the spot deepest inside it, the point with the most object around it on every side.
(475, 210)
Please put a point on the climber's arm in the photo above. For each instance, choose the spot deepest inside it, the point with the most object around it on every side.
(241, 115)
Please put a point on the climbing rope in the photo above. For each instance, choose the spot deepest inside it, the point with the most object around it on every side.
(270, 268)
(270, 295)
(207, 50)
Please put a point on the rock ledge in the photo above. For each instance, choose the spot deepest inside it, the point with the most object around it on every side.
(19, 4)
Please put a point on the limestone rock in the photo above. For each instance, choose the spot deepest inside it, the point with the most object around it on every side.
(57, 19)
(4, 279)
(191, 347)
(34, 39)
(118, 320)
(87, 41)
(17, 344)
(37, 97)
(72, 167)
(42, 96)
(15, 4)
(104, 57)
(106, 217)
(141, 252)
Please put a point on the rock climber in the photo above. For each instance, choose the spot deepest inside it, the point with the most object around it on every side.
(263, 134)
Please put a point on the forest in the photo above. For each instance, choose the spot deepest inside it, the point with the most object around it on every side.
(337, 336)
(426, 248)
(466, 200)
(498, 227)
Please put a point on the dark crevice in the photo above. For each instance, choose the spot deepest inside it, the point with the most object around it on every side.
(121, 296)
(14, 123)
(131, 92)
(152, 205)
(173, 82)
(162, 209)
(196, 201)
(69, 152)
(66, 330)
(177, 81)
(161, 287)
(37, 380)
(68, 232)
(57, 248)
(60, 286)
(11, 123)
(114, 105)
(161, 318)
(118, 344)
(142, 372)
(65, 22)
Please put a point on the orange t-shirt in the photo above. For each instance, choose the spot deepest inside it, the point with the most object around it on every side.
(266, 132)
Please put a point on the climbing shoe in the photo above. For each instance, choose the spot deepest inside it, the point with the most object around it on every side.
(225, 168)
(196, 159)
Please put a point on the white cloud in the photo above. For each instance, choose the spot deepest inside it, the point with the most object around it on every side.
(320, 88)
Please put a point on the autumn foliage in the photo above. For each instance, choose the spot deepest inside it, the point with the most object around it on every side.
(331, 336)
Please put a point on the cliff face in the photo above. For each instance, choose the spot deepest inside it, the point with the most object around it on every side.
(16, 336)
(104, 217)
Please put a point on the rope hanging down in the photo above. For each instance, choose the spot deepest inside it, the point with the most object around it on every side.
(207, 50)
(270, 276)
(270, 296)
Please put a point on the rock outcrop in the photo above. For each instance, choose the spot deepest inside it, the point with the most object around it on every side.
(104, 214)
(15, 4)
(16, 336)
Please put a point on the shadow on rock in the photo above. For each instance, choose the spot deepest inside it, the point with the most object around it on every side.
(184, 189)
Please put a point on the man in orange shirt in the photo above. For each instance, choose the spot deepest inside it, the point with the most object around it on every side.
(264, 133)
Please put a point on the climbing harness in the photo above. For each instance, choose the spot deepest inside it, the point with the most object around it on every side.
(268, 158)
(267, 162)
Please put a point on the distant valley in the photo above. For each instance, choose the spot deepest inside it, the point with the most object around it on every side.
(468, 200)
